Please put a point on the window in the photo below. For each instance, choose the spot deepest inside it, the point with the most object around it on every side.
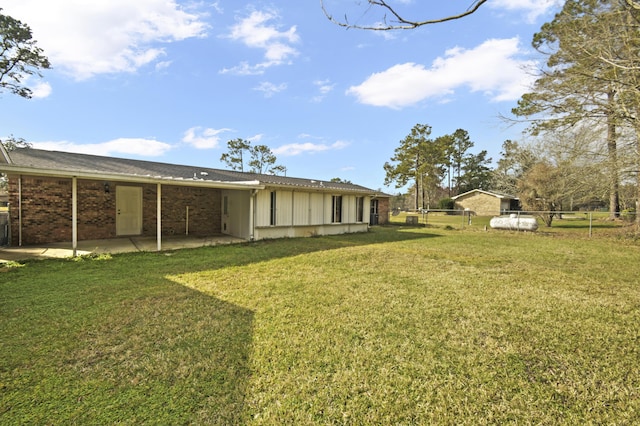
(336, 208)
(225, 205)
(359, 209)
(272, 211)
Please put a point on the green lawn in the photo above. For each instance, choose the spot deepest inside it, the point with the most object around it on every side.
(424, 325)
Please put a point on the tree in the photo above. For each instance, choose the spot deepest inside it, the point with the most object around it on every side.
(538, 192)
(339, 180)
(263, 160)
(234, 157)
(465, 170)
(477, 173)
(278, 170)
(19, 56)
(578, 85)
(12, 143)
(515, 162)
(397, 21)
(421, 160)
(460, 144)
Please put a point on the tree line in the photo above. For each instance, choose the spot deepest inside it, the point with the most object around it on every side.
(559, 171)
(426, 162)
(583, 113)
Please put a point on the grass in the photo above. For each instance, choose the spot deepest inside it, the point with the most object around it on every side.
(396, 326)
(578, 224)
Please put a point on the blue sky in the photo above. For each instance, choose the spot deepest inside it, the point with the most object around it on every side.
(173, 81)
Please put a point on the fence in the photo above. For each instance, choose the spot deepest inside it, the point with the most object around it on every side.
(571, 221)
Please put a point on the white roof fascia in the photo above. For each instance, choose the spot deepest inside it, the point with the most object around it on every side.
(252, 184)
(478, 190)
(323, 189)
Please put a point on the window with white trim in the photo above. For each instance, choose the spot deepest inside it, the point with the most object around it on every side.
(272, 211)
(359, 209)
(336, 209)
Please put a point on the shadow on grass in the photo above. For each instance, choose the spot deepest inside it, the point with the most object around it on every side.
(111, 340)
(265, 250)
(122, 350)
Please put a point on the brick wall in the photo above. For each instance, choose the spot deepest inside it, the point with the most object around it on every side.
(383, 211)
(204, 210)
(479, 203)
(46, 210)
(96, 211)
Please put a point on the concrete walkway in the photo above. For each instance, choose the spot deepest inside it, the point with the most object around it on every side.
(114, 245)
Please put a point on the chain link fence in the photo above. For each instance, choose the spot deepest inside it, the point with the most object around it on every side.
(587, 222)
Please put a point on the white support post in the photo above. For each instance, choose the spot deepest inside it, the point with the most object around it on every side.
(74, 215)
(252, 228)
(20, 210)
(159, 217)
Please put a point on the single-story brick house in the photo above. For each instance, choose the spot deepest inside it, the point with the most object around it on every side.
(486, 203)
(66, 197)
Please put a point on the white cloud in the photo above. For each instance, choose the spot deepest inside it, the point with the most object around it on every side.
(293, 149)
(203, 138)
(216, 6)
(133, 146)
(163, 65)
(492, 68)
(41, 90)
(255, 32)
(270, 89)
(244, 68)
(324, 87)
(105, 36)
(256, 138)
(533, 8)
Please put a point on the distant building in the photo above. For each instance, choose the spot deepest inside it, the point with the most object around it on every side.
(486, 203)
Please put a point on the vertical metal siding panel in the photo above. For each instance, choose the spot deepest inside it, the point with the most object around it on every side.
(328, 205)
(301, 208)
(283, 208)
(263, 206)
(316, 206)
(366, 210)
(348, 209)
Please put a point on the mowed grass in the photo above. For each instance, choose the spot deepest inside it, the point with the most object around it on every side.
(396, 326)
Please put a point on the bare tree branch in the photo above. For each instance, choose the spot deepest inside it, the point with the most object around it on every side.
(633, 4)
(399, 22)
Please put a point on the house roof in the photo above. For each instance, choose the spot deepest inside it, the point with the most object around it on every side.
(491, 193)
(66, 164)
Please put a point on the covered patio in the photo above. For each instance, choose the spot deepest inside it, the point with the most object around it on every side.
(112, 246)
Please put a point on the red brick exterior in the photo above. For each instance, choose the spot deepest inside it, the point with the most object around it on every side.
(205, 211)
(383, 211)
(47, 210)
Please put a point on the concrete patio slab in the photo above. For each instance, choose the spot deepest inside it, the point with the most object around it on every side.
(113, 246)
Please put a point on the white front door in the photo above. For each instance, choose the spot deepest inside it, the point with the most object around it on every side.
(128, 210)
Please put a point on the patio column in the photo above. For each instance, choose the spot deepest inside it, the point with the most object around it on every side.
(252, 195)
(20, 211)
(159, 217)
(74, 215)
